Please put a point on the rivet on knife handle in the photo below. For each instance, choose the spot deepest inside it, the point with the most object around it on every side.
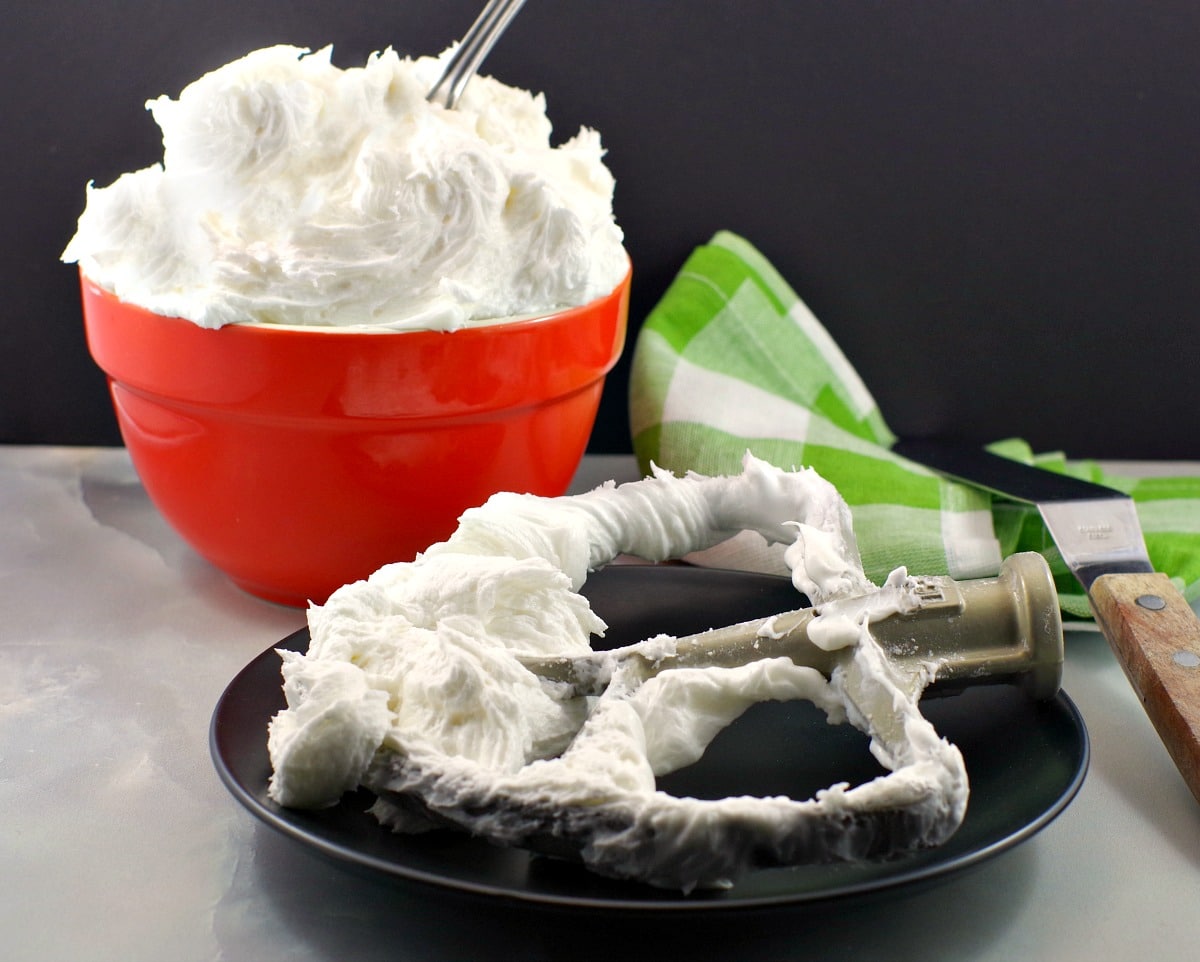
(1156, 637)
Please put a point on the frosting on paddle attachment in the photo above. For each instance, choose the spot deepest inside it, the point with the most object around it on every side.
(462, 688)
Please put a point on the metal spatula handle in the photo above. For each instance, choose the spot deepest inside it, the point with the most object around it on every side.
(475, 46)
(1156, 638)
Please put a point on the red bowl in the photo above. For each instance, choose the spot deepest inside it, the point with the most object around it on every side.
(298, 460)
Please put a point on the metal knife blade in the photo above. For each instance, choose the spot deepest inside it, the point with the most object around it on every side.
(1152, 629)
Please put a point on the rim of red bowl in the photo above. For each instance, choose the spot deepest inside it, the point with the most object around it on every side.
(289, 371)
(319, 330)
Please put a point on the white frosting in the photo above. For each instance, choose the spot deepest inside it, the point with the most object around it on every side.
(412, 686)
(294, 192)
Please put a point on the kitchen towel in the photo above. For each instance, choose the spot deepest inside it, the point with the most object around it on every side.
(731, 361)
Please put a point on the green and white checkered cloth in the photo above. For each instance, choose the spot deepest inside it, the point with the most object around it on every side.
(731, 360)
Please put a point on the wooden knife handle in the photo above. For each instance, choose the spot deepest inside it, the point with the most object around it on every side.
(1156, 637)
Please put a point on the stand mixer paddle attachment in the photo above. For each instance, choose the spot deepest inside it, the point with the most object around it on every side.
(866, 660)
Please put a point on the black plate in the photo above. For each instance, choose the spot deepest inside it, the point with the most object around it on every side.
(1026, 761)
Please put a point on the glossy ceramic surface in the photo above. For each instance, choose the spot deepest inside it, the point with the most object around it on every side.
(298, 460)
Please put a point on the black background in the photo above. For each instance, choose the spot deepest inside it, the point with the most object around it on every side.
(993, 206)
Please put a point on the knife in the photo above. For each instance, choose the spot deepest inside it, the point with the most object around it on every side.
(1151, 628)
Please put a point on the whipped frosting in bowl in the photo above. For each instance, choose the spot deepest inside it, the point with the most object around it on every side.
(335, 316)
(294, 192)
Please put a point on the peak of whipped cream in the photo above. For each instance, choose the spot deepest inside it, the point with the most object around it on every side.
(294, 192)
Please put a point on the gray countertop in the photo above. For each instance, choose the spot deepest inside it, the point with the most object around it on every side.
(120, 843)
